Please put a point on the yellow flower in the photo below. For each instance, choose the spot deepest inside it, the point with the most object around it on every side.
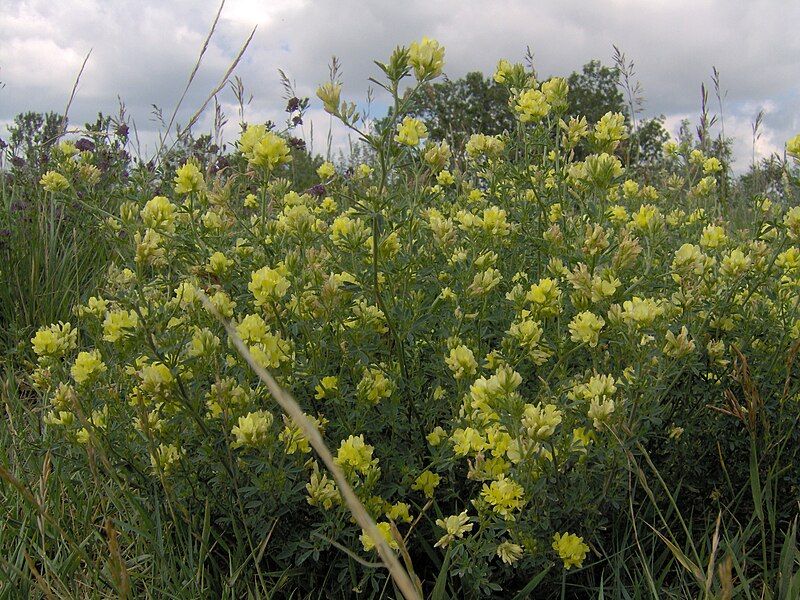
(53, 181)
(609, 131)
(585, 327)
(541, 421)
(504, 496)
(326, 170)
(484, 282)
(426, 483)
(188, 179)
(503, 70)
(641, 312)
(436, 436)
(546, 297)
(556, 91)
(399, 512)
(630, 188)
(427, 58)
(462, 362)
(267, 285)
(326, 387)
(466, 441)
(219, 263)
(598, 386)
(158, 212)
(494, 221)
(705, 186)
(119, 323)
(249, 138)
(87, 366)
(272, 351)
(98, 420)
(509, 552)
(253, 429)
(532, 106)
(793, 146)
(713, 236)
(156, 379)
(602, 169)
(164, 458)
(792, 221)
(293, 437)
(271, 151)
(736, 263)
(438, 156)
(321, 490)
(374, 386)
(484, 145)
(385, 530)
(355, 455)
(678, 346)
(330, 93)
(55, 340)
(712, 165)
(445, 178)
(455, 526)
(697, 157)
(570, 549)
(600, 409)
(411, 131)
(647, 218)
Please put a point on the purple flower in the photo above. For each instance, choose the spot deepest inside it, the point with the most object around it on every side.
(84, 145)
(317, 190)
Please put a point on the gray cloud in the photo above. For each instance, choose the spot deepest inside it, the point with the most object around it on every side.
(143, 51)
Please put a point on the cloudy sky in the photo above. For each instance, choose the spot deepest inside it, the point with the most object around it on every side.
(144, 50)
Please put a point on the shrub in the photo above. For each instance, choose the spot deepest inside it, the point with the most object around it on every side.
(492, 344)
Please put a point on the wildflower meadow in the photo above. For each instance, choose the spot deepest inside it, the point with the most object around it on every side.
(525, 363)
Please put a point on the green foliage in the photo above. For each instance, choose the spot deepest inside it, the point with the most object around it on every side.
(549, 374)
(454, 110)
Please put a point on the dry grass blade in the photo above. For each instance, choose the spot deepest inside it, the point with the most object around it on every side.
(681, 557)
(119, 573)
(217, 89)
(191, 77)
(712, 559)
(291, 408)
(72, 94)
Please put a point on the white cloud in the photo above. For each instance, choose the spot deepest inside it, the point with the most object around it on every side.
(143, 51)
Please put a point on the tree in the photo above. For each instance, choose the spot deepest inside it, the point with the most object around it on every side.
(453, 110)
(595, 91)
(32, 135)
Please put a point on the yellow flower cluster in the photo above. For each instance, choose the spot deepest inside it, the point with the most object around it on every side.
(268, 285)
(504, 496)
(461, 362)
(455, 526)
(253, 429)
(264, 148)
(427, 58)
(532, 106)
(87, 366)
(355, 455)
(570, 549)
(411, 132)
(54, 341)
(189, 179)
(53, 181)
